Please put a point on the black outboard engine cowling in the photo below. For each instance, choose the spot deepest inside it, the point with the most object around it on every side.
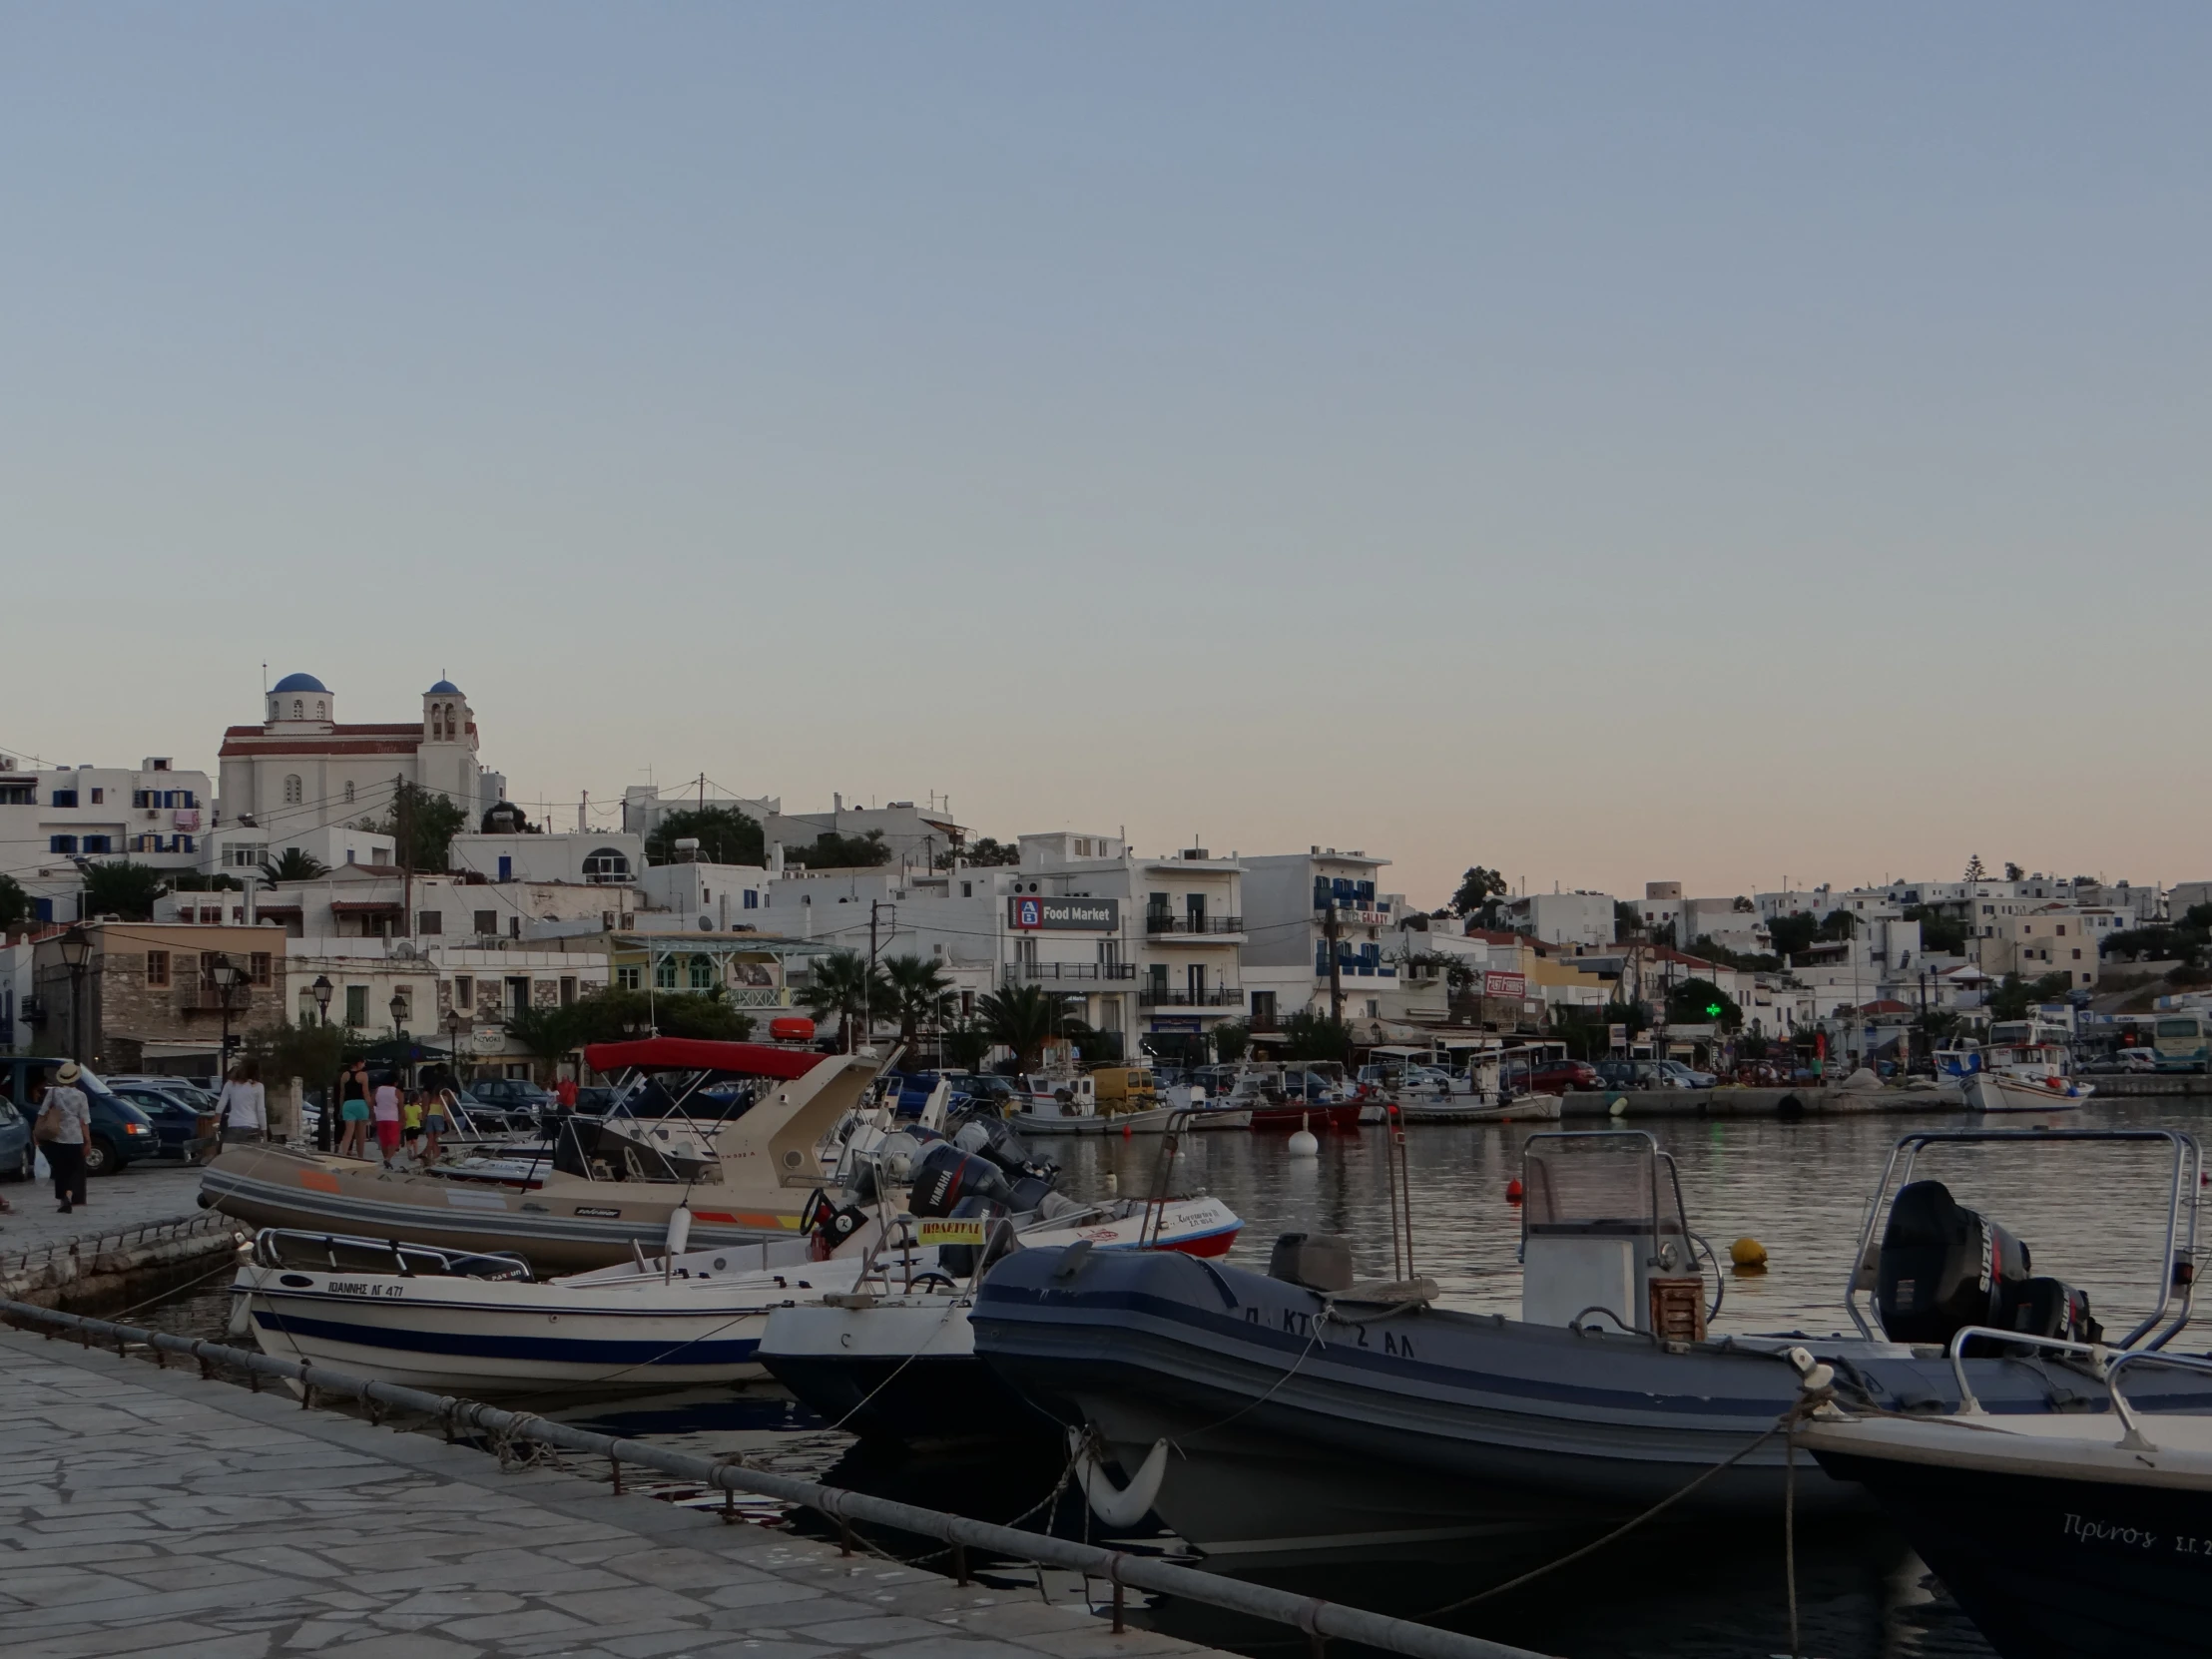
(995, 1138)
(959, 1258)
(2044, 1308)
(1943, 1266)
(943, 1175)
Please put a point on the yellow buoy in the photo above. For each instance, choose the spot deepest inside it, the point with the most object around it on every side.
(1749, 1254)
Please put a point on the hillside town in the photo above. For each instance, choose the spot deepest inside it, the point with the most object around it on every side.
(373, 879)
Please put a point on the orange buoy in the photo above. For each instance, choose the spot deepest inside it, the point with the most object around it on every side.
(1126, 1131)
(1513, 1192)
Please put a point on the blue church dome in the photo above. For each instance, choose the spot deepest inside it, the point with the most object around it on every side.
(444, 688)
(301, 683)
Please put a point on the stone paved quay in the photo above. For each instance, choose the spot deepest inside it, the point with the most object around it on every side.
(143, 1191)
(154, 1513)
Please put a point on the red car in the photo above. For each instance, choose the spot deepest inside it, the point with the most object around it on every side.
(1552, 1077)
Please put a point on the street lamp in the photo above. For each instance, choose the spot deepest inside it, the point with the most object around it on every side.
(322, 990)
(225, 973)
(76, 950)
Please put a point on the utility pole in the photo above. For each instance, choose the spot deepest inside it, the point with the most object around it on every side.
(402, 817)
(1335, 972)
(868, 985)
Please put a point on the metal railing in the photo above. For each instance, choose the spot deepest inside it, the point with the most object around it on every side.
(1318, 1618)
(1167, 921)
(1071, 970)
(1232, 996)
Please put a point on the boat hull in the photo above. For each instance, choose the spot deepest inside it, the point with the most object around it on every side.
(1155, 1122)
(1415, 1431)
(903, 1371)
(1986, 1091)
(1534, 1108)
(560, 1224)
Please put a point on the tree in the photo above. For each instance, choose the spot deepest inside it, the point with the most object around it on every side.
(1309, 1035)
(1231, 1039)
(705, 1015)
(1700, 1002)
(548, 1031)
(124, 890)
(617, 1015)
(1938, 932)
(1477, 892)
(832, 850)
(1793, 934)
(311, 1053)
(920, 994)
(1976, 870)
(981, 852)
(2014, 996)
(1749, 962)
(846, 984)
(1022, 1018)
(2014, 872)
(432, 820)
(1628, 922)
(1839, 924)
(295, 864)
(1743, 906)
(15, 903)
(964, 1045)
(724, 836)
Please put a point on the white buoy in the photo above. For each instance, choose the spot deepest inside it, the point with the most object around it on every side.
(1303, 1144)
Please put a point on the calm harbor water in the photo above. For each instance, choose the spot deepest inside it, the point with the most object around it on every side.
(2093, 1215)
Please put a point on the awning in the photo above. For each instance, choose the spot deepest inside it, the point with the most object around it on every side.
(364, 907)
(699, 1054)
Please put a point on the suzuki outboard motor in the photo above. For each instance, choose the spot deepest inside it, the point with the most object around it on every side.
(1943, 1266)
(943, 1175)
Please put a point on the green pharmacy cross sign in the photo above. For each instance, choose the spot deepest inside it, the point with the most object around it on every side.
(1712, 1009)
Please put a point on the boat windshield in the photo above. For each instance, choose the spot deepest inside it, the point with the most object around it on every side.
(1598, 1183)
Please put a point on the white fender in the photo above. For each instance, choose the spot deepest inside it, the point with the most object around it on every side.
(679, 1230)
(934, 1109)
(1129, 1505)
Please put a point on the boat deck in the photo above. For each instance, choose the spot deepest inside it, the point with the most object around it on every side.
(150, 1513)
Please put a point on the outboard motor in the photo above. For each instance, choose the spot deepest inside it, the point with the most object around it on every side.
(2047, 1308)
(897, 1155)
(959, 1259)
(943, 1175)
(1317, 1261)
(1030, 1192)
(827, 1224)
(995, 1139)
(1943, 1266)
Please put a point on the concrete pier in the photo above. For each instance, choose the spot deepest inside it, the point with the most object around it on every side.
(154, 1513)
(142, 1233)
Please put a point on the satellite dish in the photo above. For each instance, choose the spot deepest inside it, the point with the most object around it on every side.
(706, 925)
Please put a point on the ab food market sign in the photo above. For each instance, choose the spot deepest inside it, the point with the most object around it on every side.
(1035, 913)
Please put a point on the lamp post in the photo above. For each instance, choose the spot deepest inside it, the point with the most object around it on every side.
(76, 950)
(225, 973)
(322, 990)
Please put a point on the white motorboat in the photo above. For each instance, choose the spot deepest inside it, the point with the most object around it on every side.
(2030, 1075)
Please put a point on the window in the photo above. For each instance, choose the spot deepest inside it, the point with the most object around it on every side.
(701, 974)
(299, 709)
(626, 978)
(514, 927)
(258, 967)
(293, 792)
(322, 708)
(350, 792)
(431, 921)
(357, 1006)
(605, 866)
(64, 798)
(2061, 930)
(183, 844)
(967, 889)
(2077, 955)
(60, 844)
(98, 796)
(751, 899)
(95, 843)
(568, 990)
(246, 855)
(519, 994)
(486, 922)
(157, 970)
(663, 973)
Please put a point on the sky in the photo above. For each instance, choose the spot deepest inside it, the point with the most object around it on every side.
(1606, 444)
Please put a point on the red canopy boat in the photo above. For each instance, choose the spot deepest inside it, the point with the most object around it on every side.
(699, 1054)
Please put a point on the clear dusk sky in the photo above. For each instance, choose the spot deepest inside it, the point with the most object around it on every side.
(1609, 444)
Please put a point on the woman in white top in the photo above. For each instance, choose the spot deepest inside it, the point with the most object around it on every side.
(242, 1105)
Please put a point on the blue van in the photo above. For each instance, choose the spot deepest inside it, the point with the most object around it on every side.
(120, 1133)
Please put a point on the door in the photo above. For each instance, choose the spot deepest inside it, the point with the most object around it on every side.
(1194, 981)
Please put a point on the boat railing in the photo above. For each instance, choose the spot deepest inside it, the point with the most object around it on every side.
(283, 1247)
(2188, 1170)
(2105, 1365)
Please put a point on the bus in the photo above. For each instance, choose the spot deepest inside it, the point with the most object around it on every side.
(2183, 1041)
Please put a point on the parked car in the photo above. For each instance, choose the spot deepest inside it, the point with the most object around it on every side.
(185, 1089)
(16, 1156)
(510, 1094)
(1687, 1077)
(120, 1133)
(1553, 1077)
(186, 1131)
(2126, 1060)
(594, 1099)
(1636, 1074)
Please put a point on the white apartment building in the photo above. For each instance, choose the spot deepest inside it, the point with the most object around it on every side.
(1290, 902)
(1566, 918)
(53, 819)
(913, 836)
(2054, 938)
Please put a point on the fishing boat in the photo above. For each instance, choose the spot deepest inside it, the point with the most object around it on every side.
(2026, 1067)
(2061, 1536)
(1315, 1414)
(604, 1188)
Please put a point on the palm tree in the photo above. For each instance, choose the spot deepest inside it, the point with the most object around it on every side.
(920, 994)
(849, 985)
(1023, 1018)
(548, 1031)
(296, 863)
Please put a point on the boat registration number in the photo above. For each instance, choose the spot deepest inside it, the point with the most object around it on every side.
(363, 1286)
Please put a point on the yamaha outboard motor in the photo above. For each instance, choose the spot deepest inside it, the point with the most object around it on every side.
(897, 1155)
(943, 1175)
(959, 1259)
(1943, 1266)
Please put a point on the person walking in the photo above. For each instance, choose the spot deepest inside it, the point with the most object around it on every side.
(438, 1114)
(384, 1110)
(64, 1124)
(243, 1106)
(410, 1122)
(354, 1111)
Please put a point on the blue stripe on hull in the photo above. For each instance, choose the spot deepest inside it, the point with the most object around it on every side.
(480, 1346)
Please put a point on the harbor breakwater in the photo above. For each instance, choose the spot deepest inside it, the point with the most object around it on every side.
(133, 1263)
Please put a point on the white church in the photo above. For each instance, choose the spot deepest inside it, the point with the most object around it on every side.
(302, 774)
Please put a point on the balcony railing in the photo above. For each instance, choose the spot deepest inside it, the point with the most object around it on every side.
(1071, 970)
(1220, 996)
(1167, 921)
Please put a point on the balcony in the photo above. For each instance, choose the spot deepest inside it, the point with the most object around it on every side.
(1160, 923)
(1222, 996)
(1356, 970)
(1049, 972)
